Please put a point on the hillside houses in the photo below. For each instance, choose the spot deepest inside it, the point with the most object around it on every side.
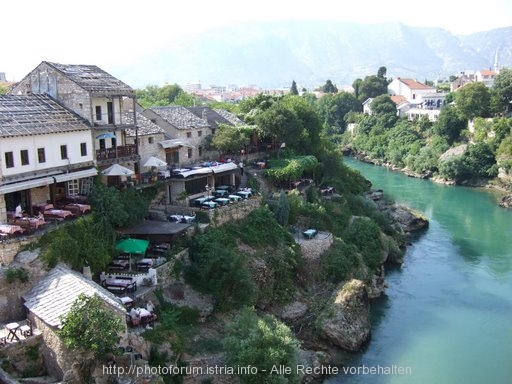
(64, 123)
(47, 152)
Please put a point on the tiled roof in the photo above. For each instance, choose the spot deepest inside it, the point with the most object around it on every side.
(36, 114)
(146, 126)
(232, 118)
(180, 117)
(398, 99)
(92, 78)
(487, 72)
(413, 84)
(212, 117)
(53, 296)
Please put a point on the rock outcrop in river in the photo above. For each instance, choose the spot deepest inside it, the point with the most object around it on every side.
(346, 323)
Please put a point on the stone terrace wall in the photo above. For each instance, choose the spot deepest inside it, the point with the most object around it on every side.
(237, 211)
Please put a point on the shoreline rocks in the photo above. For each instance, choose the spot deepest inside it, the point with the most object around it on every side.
(346, 322)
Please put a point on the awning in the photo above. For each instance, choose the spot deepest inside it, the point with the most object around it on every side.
(27, 184)
(175, 143)
(223, 167)
(76, 175)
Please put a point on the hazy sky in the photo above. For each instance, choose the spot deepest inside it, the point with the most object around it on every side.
(111, 32)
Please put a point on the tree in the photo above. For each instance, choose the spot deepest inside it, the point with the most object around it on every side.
(212, 253)
(329, 87)
(357, 87)
(154, 95)
(383, 104)
(502, 90)
(372, 86)
(230, 140)
(334, 108)
(310, 142)
(4, 89)
(450, 124)
(283, 209)
(473, 100)
(280, 124)
(293, 88)
(261, 342)
(90, 326)
(382, 72)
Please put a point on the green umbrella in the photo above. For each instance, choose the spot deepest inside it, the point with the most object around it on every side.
(138, 246)
(131, 246)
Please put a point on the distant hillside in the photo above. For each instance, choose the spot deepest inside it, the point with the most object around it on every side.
(273, 54)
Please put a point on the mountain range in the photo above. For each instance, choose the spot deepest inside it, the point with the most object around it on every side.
(273, 54)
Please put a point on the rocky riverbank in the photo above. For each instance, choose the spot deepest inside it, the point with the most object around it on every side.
(502, 183)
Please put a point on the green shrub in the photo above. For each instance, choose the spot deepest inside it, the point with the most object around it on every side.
(261, 342)
(365, 234)
(341, 261)
(16, 274)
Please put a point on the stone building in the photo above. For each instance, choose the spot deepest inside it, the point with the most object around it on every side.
(51, 299)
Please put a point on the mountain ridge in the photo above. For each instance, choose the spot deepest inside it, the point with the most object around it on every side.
(273, 54)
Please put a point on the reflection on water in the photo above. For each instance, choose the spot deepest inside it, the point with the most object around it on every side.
(447, 311)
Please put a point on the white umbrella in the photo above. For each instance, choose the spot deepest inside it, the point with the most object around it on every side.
(117, 170)
(153, 161)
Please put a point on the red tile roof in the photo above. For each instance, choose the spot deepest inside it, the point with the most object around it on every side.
(413, 84)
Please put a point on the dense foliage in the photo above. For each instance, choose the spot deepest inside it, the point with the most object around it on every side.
(90, 326)
(262, 342)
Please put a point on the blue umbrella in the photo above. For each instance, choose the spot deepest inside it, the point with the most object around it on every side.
(107, 135)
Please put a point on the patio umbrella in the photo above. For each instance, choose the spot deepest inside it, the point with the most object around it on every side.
(153, 161)
(132, 246)
(107, 135)
(117, 170)
(138, 246)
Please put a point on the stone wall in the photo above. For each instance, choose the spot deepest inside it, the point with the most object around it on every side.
(11, 247)
(231, 212)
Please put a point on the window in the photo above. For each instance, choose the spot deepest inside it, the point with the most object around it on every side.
(150, 140)
(83, 149)
(189, 153)
(63, 152)
(199, 133)
(9, 160)
(41, 157)
(189, 134)
(98, 112)
(73, 187)
(24, 157)
(200, 149)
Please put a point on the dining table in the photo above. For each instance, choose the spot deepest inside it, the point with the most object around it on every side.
(12, 329)
(120, 283)
(78, 208)
(41, 207)
(30, 223)
(11, 229)
(60, 213)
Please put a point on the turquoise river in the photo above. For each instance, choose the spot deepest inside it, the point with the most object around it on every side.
(446, 315)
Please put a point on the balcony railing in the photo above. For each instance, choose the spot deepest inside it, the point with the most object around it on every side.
(116, 152)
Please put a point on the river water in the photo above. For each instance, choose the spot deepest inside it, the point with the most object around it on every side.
(446, 315)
